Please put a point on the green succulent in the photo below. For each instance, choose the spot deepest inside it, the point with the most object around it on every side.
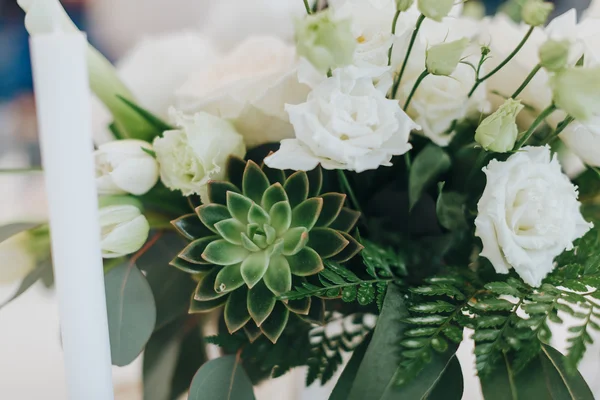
(259, 234)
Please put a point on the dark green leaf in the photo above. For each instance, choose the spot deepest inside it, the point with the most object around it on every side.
(450, 210)
(341, 391)
(429, 164)
(450, 385)
(332, 206)
(327, 242)
(160, 361)
(296, 187)
(221, 379)
(345, 220)
(158, 125)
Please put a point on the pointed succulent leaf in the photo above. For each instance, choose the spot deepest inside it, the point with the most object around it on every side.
(295, 240)
(270, 233)
(210, 214)
(346, 220)
(258, 216)
(278, 277)
(305, 263)
(255, 182)
(236, 310)
(281, 217)
(238, 206)
(249, 244)
(235, 170)
(190, 227)
(327, 242)
(315, 180)
(221, 252)
(296, 187)
(254, 267)
(332, 205)
(300, 306)
(351, 249)
(189, 267)
(193, 252)
(274, 175)
(252, 331)
(206, 287)
(273, 327)
(260, 240)
(273, 195)
(261, 302)
(217, 191)
(316, 313)
(200, 307)
(231, 230)
(229, 278)
(307, 213)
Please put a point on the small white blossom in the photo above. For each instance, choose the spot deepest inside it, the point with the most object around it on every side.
(124, 230)
(584, 141)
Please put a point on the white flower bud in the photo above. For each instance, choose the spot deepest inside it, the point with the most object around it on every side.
(536, 12)
(326, 43)
(499, 131)
(576, 90)
(435, 9)
(404, 5)
(124, 230)
(554, 54)
(122, 167)
(442, 59)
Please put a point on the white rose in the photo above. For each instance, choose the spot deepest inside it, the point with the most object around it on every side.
(250, 86)
(124, 230)
(17, 250)
(528, 214)
(197, 152)
(123, 167)
(346, 123)
(584, 141)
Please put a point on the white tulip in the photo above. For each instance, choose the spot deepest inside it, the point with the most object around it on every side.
(124, 230)
(122, 167)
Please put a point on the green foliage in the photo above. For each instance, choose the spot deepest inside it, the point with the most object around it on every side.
(429, 164)
(223, 378)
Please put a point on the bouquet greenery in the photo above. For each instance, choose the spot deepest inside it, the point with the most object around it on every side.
(399, 182)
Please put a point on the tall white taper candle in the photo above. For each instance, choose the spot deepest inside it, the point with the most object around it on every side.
(64, 115)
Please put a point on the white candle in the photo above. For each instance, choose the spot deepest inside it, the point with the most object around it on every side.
(64, 117)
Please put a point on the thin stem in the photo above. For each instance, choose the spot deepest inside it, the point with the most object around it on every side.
(534, 126)
(20, 170)
(348, 189)
(406, 57)
(308, 11)
(393, 33)
(503, 63)
(533, 72)
(559, 129)
(414, 89)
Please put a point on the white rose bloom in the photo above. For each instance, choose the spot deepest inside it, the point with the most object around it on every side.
(346, 123)
(584, 141)
(123, 167)
(21, 259)
(197, 152)
(250, 86)
(528, 214)
(124, 230)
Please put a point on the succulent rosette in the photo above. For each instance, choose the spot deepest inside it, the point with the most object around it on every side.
(259, 234)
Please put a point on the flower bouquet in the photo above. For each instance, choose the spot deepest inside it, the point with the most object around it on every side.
(407, 177)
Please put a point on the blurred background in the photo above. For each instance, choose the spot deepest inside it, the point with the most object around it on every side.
(30, 356)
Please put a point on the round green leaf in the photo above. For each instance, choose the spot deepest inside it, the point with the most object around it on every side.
(296, 187)
(231, 230)
(327, 242)
(255, 182)
(281, 217)
(236, 310)
(221, 379)
(210, 214)
(273, 327)
(261, 302)
(295, 240)
(307, 213)
(278, 277)
(221, 252)
(229, 279)
(307, 262)
(273, 195)
(332, 205)
(238, 206)
(254, 267)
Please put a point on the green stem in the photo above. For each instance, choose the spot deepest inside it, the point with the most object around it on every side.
(393, 33)
(308, 11)
(559, 129)
(414, 89)
(534, 126)
(533, 72)
(21, 170)
(406, 57)
(503, 63)
(348, 189)
(407, 161)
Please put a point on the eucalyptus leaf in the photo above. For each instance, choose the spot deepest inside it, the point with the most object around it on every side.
(221, 379)
(348, 376)
(450, 209)
(429, 164)
(131, 312)
(160, 361)
(43, 269)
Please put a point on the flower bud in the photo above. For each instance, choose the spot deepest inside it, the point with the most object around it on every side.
(499, 131)
(536, 12)
(435, 9)
(554, 54)
(326, 43)
(576, 90)
(442, 59)
(123, 167)
(403, 5)
(124, 230)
